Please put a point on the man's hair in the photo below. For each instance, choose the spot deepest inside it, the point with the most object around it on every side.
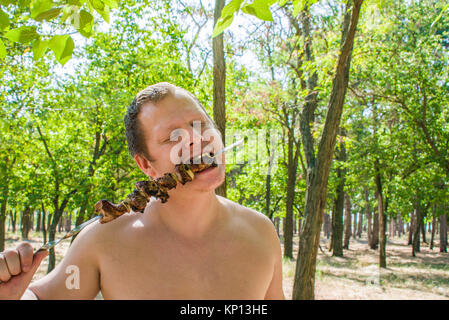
(154, 93)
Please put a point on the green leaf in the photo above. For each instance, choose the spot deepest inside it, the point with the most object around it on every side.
(23, 34)
(298, 5)
(111, 3)
(4, 20)
(260, 9)
(101, 8)
(231, 8)
(39, 48)
(2, 50)
(222, 24)
(48, 15)
(40, 6)
(62, 46)
(86, 22)
(227, 16)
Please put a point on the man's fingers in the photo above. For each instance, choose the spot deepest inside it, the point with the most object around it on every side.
(26, 255)
(12, 261)
(37, 259)
(4, 272)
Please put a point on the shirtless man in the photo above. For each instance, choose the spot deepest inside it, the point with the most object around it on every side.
(196, 246)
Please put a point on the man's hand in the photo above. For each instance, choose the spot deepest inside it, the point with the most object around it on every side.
(17, 268)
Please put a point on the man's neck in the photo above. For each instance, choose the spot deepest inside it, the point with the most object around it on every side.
(190, 215)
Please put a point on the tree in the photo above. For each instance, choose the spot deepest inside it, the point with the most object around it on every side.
(219, 84)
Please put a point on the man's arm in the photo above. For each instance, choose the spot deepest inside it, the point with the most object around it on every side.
(275, 291)
(77, 275)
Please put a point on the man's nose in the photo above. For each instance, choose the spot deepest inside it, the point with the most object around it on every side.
(195, 135)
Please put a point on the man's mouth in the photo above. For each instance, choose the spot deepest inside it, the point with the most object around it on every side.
(202, 162)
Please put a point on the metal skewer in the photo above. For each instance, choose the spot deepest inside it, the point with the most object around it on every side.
(69, 234)
(76, 230)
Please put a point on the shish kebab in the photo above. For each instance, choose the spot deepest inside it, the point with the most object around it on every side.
(138, 199)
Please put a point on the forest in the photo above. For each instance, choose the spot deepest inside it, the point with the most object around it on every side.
(343, 105)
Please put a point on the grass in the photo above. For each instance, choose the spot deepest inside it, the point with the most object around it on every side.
(354, 276)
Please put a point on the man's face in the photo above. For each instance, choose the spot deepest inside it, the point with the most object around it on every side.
(177, 128)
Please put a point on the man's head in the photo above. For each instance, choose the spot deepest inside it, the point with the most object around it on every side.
(158, 112)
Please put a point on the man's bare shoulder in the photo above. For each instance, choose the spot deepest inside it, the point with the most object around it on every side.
(256, 221)
(97, 235)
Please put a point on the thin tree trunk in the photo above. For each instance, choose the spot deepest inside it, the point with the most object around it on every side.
(292, 166)
(38, 221)
(375, 233)
(417, 231)
(44, 225)
(219, 81)
(369, 230)
(411, 228)
(382, 218)
(443, 233)
(347, 221)
(337, 223)
(319, 166)
(360, 225)
(276, 224)
(26, 223)
(13, 217)
(432, 235)
(423, 230)
(337, 217)
(354, 225)
(327, 225)
(2, 224)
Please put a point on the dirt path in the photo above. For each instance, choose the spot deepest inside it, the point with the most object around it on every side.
(356, 276)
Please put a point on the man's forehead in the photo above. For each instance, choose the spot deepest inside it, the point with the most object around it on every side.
(175, 107)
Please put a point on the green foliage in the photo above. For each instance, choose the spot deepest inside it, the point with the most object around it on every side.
(33, 17)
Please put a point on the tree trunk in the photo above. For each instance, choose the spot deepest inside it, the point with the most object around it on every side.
(276, 224)
(318, 168)
(432, 235)
(360, 225)
(13, 217)
(417, 231)
(2, 224)
(369, 230)
(354, 226)
(219, 82)
(44, 224)
(382, 218)
(375, 233)
(423, 230)
(26, 223)
(337, 217)
(51, 237)
(38, 221)
(327, 226)
(292, 166)
(443, 233)
(411, 228)
(347, 221)
(337, 224)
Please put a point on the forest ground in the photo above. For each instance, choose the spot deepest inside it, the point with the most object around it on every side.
(355, 276)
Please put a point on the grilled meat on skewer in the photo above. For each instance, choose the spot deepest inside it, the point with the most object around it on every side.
(138, 199)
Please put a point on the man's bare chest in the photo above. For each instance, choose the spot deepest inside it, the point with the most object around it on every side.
(231, 268)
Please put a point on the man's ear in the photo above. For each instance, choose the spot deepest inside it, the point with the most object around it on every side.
(145, 165)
